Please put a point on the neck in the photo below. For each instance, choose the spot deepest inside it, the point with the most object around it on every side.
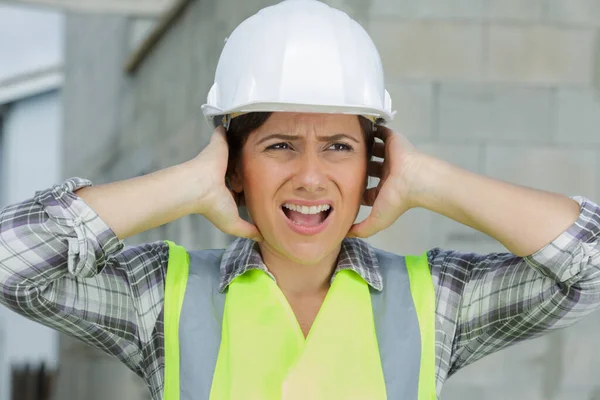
(298, 279)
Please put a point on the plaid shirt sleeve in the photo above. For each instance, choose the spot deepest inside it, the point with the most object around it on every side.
(488, 302)
(62, 266)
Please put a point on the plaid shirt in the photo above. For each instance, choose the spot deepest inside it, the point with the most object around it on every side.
(62, 266)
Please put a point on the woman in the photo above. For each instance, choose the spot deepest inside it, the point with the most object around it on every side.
(299, 307)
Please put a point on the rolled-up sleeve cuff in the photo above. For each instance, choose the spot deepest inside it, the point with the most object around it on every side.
(568, 255)
(94, 240)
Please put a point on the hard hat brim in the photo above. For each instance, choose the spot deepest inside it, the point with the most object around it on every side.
(382, 116)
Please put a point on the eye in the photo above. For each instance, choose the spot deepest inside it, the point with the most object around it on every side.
(340, 147)
(279, 146)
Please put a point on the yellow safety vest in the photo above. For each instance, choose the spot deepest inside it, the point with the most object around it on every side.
(263, 354)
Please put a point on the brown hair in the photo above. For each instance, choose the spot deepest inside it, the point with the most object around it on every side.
(241, 127)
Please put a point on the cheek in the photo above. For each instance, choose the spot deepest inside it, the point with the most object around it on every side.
(353, 180)
(260, 181)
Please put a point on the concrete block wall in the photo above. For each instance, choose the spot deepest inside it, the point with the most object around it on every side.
(510, 89)
(119, 126)
(507, 88)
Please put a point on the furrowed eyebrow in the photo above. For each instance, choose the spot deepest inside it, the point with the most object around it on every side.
(337, 137)
(328, 138)
(279, 136)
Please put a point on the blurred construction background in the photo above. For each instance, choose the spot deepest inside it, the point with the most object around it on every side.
(108, 90)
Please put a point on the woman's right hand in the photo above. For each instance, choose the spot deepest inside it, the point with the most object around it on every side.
(196, 186)
(217, 202)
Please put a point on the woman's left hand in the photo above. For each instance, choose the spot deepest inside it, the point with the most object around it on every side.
(397, 175)
(524, 220)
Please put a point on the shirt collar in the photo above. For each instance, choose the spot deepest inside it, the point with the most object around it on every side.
(355, 254)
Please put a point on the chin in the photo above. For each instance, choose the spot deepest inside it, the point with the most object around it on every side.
(308, 253)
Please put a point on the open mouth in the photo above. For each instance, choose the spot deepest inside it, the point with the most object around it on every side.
(307, 216)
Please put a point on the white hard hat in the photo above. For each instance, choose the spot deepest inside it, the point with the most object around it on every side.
(301, 56)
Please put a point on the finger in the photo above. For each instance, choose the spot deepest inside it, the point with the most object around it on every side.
(219, 148)
(379, 149)
(245, 229)
(219, 136)
(375, 169)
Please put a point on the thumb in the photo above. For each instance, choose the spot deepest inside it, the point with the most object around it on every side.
(364, 229)
(370, 225)
(245, 229)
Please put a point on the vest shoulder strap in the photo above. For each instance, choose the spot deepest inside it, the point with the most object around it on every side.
(176, 283)
(423, 294)
(199, 272)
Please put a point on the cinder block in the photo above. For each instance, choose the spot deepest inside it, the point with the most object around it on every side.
(171, 80)
(145, 129)
(139, 29)
(530, 392)
(570, 392)
(198, 233)
(405, 9)
(578, 118)
(446, 233)
(512, 373)
(464, 156)
(358, 10)
(487, 373)
(449, 234)
(205, 53)
(454, 391)
(459, 9)
(410, 234)
(92, 89)
(577, 12)
(515, 10)
(184, 143)
(495, 113)
(419, 229)
(541, 54)
(425, 9)
(429, 49)
(134, 162)
(232, 13)
(413, 102)
(581, 364)
(568, 171)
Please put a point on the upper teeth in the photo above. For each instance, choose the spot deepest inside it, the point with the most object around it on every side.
(307, 209)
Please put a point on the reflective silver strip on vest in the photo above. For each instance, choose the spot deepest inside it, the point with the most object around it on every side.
(397, 329)
(200, 325)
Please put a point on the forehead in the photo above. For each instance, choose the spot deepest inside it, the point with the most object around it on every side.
(305, 123)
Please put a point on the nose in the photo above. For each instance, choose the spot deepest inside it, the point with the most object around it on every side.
(310, 176)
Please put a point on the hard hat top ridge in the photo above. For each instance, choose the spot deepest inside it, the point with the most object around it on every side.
(302, 56)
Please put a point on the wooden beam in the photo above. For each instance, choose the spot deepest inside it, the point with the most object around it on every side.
(130, 7)
(162, 27)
